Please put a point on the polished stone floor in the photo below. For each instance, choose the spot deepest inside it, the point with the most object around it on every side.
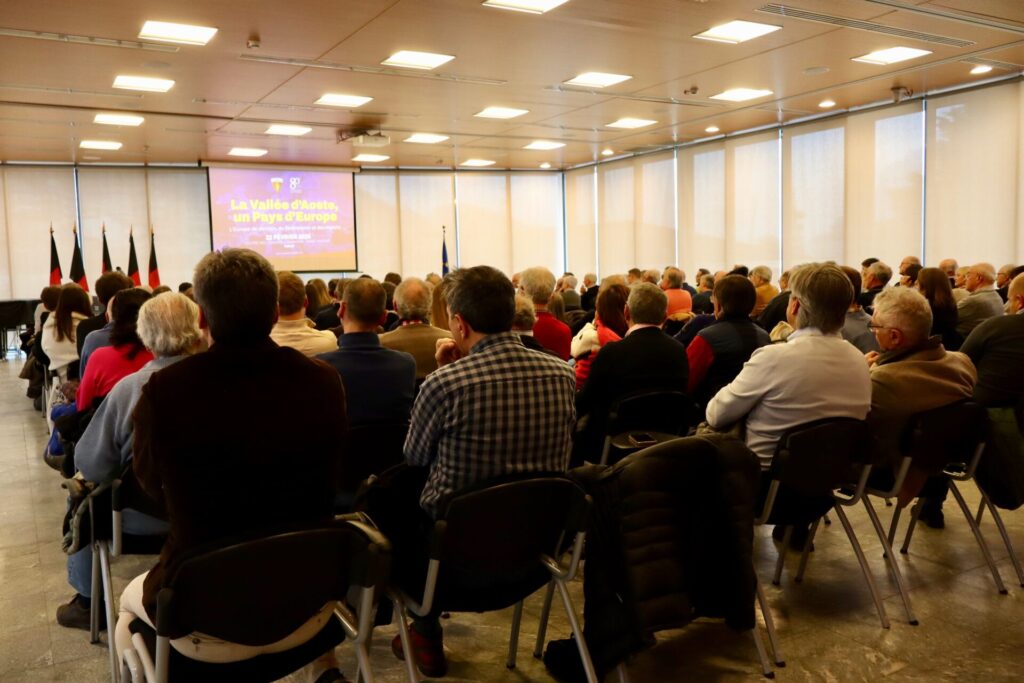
(828, 627)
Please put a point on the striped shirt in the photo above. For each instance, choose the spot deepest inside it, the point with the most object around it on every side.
(502, 409)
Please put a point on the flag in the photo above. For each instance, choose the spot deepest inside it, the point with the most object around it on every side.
(55, 272)
(444, 253)
(154, 271)
(77, 273)
(106, 266)
(133, 263)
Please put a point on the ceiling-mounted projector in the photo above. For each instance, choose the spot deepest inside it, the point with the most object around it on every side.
(370, 140)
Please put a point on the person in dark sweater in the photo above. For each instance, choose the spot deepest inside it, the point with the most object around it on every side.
(108, 284)
(996, 347)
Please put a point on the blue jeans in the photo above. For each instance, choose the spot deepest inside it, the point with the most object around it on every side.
(80, 564)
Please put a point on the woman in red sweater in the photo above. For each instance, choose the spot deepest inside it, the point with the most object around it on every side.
(126, 353)
(609, 326)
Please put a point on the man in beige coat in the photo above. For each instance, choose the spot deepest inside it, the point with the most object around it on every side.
(415, 335)
(912, 373)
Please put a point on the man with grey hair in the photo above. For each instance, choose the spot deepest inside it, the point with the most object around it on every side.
(569, 294)
(538, 284)
(651, 275)
(414, 334)
(761, 278)
(907, 262)
(1003, 278)
(910, 374)
(949, 266)
(982, 303)
(522, 324)
(679, 300)
(876, 277)
(588, 292)
(169, 327)
(646, 359)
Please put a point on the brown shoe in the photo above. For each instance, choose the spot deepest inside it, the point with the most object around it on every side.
(76, 614)
(429, 653)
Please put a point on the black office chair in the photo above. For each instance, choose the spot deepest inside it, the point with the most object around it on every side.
(663, 412)
(493, 546)
(371, 449)
(259, 591)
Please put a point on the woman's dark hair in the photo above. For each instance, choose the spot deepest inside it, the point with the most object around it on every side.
(934, 284)
(611, 307)
(316, 297)
(73, 299)
(125, 312)
(50, 296)
(912, 272)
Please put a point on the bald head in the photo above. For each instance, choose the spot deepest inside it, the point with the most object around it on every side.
(1015, 295)
(1005, 274)
(949, 266)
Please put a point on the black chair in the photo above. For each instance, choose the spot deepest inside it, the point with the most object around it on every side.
(493, 546)
(667, 412)
(371, 449)
(259, 591)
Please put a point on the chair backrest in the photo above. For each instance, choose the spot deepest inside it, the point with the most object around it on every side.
(258, 591)
(127, 493)
(949, 435)
(815, 458)
(372, 448)
(672, 412)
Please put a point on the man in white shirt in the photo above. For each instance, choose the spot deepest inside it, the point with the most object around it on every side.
(292, 328)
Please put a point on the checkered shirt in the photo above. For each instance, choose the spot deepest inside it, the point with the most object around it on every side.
(502, 409)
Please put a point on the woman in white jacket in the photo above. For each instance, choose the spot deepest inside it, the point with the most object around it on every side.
(58, 337)
(609, 326)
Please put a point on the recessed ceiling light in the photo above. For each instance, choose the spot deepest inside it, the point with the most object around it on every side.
(411, 59)
(118, 119)
(815, 70)
(477, 162)
(501, 113)
(143, 83)
(827, 104)
(544, 145)
(607, 152)
(741, 94)
(711, 129)
(597, 79)
(333, 99)
(167, 32)
(891, 55)
(628, 122)
(99, 144)
(545, 165)
(287, 129)
(372, 158)
(981, 69)
(737, 32)
(531, 6)
(90, 158)
(426, 138)
(246, 152)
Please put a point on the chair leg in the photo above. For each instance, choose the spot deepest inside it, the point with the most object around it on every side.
(828, 521)
(777, 578)
(769, 625)
(915, 513)
(621, 672)
(581, 644)
(542, 628)
(97, 591)
(1006, 537)
(365, 673)
(403, 632)
(890, 560)
(894, 525)
(981, 508)
(513, 641)
(882, 616)
(981, 539)
(131, 667)
(766, 667)
(163, 659)
(807, 551)
(108, 605)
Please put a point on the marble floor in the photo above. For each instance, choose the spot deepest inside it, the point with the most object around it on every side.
(827, 625)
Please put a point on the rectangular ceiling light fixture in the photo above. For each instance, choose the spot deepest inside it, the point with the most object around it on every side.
(371, 157)
(411, 59)
(143, 83)
(501, 113)
(597, 79)
(737, 32)
(891, 56)
(168, 32)
(287, 129)
(333, 99)
(118, 119)
(99, 144)
(741, 94)
(544, 145)
(477, 163)
(628, 122)
(247, 152)
(426, 138)
(530, 6)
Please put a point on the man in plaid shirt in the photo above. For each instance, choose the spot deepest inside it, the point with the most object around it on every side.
(493, 407)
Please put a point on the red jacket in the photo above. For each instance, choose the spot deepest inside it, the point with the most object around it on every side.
(107, 365)
(553, 334)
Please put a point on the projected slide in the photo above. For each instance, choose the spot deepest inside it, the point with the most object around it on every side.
(299, 220)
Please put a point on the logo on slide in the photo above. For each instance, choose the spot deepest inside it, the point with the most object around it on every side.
(293, 184)
(277, 183)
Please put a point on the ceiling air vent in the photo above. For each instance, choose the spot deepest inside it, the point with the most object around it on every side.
(861, 25)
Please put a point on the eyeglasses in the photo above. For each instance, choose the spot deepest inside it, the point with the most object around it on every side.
(875, 327)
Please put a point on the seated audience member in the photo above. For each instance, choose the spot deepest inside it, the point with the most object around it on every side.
(433, 279)
(538, 284)
(48, 299)
(438, 309)
(906, 266)
(292, 328)
(391, 317)
(57, 340)
(693, 327)
(380, 382)
(125, 355)
(949, 266)
(911, 374)
(1003, 278)
(983, 302)
(237, 461)
(492, 408)
(909, 276)
(327, 318)
(679, 300)
(784, 281)
(857, 328)
(415, 335)
(169, 328)
(877, 278)
(775, 312)
(739, 269)
(588, 292)
(761, 277)
(934, 285)
(162, 289)
(609, 325)
(184, 287)
(570, 296)
(685, 285)
(651, 275)
(646, 359)
(523, 322)
(634, 276)
(996, 346)
(717, 354)
(702, 301)
(556, 307)
(107, 285)
(864, 265)
(959, 285)
(318, 300)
